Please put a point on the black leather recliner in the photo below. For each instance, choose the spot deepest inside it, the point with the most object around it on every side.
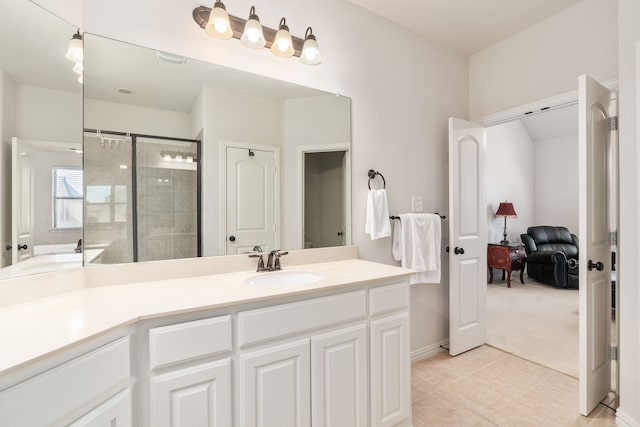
(549, 250)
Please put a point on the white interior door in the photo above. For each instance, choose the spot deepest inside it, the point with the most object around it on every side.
(250, 193)
(594, 101)
(22, 188)
(467, 237)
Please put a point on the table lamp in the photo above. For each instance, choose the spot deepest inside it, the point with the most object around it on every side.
(506, 210)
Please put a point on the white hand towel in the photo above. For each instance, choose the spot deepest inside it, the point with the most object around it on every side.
(377, 223)
(416, 244)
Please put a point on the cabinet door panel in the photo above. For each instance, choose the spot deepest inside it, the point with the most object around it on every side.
(275, 387)
(339, 378)
(115, 412)
(193, 397)
(390, 370)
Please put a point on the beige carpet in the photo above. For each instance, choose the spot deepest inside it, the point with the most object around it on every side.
(534, 321)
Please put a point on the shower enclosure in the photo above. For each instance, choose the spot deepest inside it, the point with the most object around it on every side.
(142, 197)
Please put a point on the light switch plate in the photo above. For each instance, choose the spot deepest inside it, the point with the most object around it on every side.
(417, 204)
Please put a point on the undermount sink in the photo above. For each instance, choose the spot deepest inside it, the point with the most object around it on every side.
(284, 278)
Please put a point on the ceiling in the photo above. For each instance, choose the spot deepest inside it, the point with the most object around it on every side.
(552, 124)
(466, 26)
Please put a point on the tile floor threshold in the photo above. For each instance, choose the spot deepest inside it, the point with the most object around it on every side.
(489, 387)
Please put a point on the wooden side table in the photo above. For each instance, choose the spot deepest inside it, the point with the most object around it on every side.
(508, 258)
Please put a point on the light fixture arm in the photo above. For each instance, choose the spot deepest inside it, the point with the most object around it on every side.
(201, 17)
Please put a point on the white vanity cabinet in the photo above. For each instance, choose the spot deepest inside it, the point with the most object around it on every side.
(199, 394)
(91, 389)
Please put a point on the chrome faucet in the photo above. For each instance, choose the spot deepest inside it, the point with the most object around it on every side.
(273, 262)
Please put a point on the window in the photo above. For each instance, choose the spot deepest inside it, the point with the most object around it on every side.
(67, 197)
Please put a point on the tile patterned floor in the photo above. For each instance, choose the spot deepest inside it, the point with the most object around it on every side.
(488, 387)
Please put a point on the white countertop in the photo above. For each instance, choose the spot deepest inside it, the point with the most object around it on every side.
(34, 330)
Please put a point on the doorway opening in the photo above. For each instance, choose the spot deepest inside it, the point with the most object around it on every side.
(324, 194)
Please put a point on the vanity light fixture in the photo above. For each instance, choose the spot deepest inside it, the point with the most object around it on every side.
(253, 35)
(282, 45)
(75, 51)
(218, 25)
(310, 52)
(177, 156)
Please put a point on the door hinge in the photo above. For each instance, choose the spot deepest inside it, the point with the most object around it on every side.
(614, 353)
(612, 123)
(613, 238)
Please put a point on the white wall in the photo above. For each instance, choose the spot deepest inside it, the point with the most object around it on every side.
(509, 176)
(556, 182)
(43, 163)
(545, 59)
(7, 130)
(113, 116)
(48, 114)
(628, 267)
(403, 88)
(315, 120)
(234, 118)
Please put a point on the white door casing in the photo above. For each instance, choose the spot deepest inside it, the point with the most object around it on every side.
(22, 200)
(595, 284)
(467, 237)
(250, 197)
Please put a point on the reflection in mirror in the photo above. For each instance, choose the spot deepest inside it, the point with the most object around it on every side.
(208, 159)
(40, 143)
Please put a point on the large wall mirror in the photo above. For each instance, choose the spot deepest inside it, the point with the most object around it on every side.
(184, 158)
(40, 143)
(181, 158)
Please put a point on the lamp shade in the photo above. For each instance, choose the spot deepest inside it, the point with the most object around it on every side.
(253, 36)
(75, 51)
(506, 210)
(282, 44)
(218, 25)
(310, 51)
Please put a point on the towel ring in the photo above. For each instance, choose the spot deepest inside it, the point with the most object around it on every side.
(372, 174)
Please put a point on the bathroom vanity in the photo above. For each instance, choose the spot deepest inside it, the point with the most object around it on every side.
(215, 350)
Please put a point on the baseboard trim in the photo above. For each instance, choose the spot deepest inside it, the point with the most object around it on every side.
(624, 420)
(428, 351)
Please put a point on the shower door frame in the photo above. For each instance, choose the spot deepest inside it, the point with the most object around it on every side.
(134, 181)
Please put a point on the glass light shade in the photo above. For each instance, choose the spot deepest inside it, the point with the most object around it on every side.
(310, 53)
(282, 44)
(178, 157)
(189, 159)
(78, 68)
(75, 52)
(80, 79)
(167, 157)
(253, 37)
(218, 25)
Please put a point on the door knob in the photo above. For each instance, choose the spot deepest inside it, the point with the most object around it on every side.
(340, 233)
(8, 247)
(232, 238)
(447, 249)
(458, 251)
(20, 247)
(598, 266)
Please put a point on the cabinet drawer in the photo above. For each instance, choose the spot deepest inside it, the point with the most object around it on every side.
(48, 398)
(189, 340)
(387, 299)
(287, 319)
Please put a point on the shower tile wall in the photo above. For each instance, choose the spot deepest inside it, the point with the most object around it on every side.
(108, 205)
(167, 204)
(167, 224)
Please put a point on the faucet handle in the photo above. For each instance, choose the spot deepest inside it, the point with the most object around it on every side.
(276, 261)
(260, 261)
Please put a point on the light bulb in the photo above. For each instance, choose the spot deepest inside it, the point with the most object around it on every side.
(218, 25)
(75, 52)
(282, 44)
(78, 68)
(310, 51)
(253, 36)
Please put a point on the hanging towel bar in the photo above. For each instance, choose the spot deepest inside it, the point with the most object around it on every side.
(443, 217)
(372, 174)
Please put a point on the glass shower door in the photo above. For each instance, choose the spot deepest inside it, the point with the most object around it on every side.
(167, 193)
